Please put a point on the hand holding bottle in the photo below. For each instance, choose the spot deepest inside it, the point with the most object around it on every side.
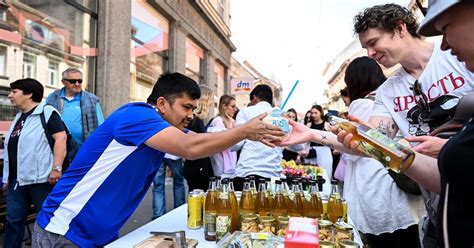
(347, 138)
(373, 143)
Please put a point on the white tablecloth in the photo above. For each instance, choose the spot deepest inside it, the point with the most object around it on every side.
(175, 220)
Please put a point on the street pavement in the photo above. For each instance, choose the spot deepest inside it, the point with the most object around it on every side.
(142, 215)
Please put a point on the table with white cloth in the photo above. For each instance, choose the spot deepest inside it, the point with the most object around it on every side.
(175, 220)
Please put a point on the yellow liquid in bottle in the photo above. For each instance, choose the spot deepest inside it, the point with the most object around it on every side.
(262, 206)
(335, 208)
(378, 146)
(296, 206)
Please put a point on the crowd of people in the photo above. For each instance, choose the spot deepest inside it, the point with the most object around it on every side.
(426, 205)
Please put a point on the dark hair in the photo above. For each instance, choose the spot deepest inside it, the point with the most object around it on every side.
(292, 110)
(344, 92)
(363, 75)
(29, 86)
(306, 118)
(174, 85)
(262, 92)
(387, 17)
(320, 109)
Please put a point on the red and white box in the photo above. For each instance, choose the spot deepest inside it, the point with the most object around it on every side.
(302, 233)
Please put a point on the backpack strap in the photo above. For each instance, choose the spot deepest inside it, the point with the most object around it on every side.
(49, 137)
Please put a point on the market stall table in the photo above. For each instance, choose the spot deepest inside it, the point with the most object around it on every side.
(175, 220)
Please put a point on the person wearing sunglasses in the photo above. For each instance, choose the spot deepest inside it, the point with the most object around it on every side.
(79, 109)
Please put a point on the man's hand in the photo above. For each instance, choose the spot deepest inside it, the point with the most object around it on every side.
(429, 145)
(5, 187)
(299, 134)
(257, 130)
(54, 176)
(347, 138)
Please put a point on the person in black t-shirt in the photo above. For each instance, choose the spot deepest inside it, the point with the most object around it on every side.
(319, 154)
(197, 172)
(31, 168)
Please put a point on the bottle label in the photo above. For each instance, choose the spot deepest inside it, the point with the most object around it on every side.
(210, 227)
(224, 195)
(382, 140)
(222, 225)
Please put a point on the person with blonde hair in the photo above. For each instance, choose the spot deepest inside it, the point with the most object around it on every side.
(223, 163)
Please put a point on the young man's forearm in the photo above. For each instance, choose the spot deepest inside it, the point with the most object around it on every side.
(205, 144)
(425, 172)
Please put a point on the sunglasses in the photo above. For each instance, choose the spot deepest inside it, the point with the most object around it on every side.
(420, 98)
(73, 81)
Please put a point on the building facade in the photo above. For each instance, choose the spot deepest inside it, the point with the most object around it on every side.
(121, 46)
(244, 77)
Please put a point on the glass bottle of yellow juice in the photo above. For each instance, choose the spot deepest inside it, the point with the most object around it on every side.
(335, 208)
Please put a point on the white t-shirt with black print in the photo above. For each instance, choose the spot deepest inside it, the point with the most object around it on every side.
(443, 82)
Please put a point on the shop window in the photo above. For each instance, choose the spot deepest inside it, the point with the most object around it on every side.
(3, 61)
(29, 66)
(53, 74)
(149, 56)
(219, 71)
(194, 61)
(65, 30)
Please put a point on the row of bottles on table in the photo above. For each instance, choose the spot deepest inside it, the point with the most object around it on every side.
(224, 214)
(221, 209)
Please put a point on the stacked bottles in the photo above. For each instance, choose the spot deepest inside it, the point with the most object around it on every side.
(278, 207)
(335, 209)
(286, 191)
(262, 205)
(247, 203)
(210, 211)
(314, 207)
(218, 184)
(269, 193)
(253, 187)
(235, 206)
(224, 212)
(296, 208)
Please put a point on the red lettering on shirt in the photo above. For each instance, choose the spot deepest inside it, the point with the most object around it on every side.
(459, 79)
(396, 101)
(435, 90)
(407, 100)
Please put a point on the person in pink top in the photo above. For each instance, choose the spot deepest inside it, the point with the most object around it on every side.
(223, 163)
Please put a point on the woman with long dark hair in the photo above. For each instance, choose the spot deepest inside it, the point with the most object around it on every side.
(378, 207)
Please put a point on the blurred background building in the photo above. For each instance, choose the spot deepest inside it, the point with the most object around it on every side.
(122, 47)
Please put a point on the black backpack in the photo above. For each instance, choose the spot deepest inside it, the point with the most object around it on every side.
(71, 146)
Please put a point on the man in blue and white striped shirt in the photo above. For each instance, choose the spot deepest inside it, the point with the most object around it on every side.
(117, 163)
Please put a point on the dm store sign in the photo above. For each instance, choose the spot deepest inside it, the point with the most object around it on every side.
(241, 85)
